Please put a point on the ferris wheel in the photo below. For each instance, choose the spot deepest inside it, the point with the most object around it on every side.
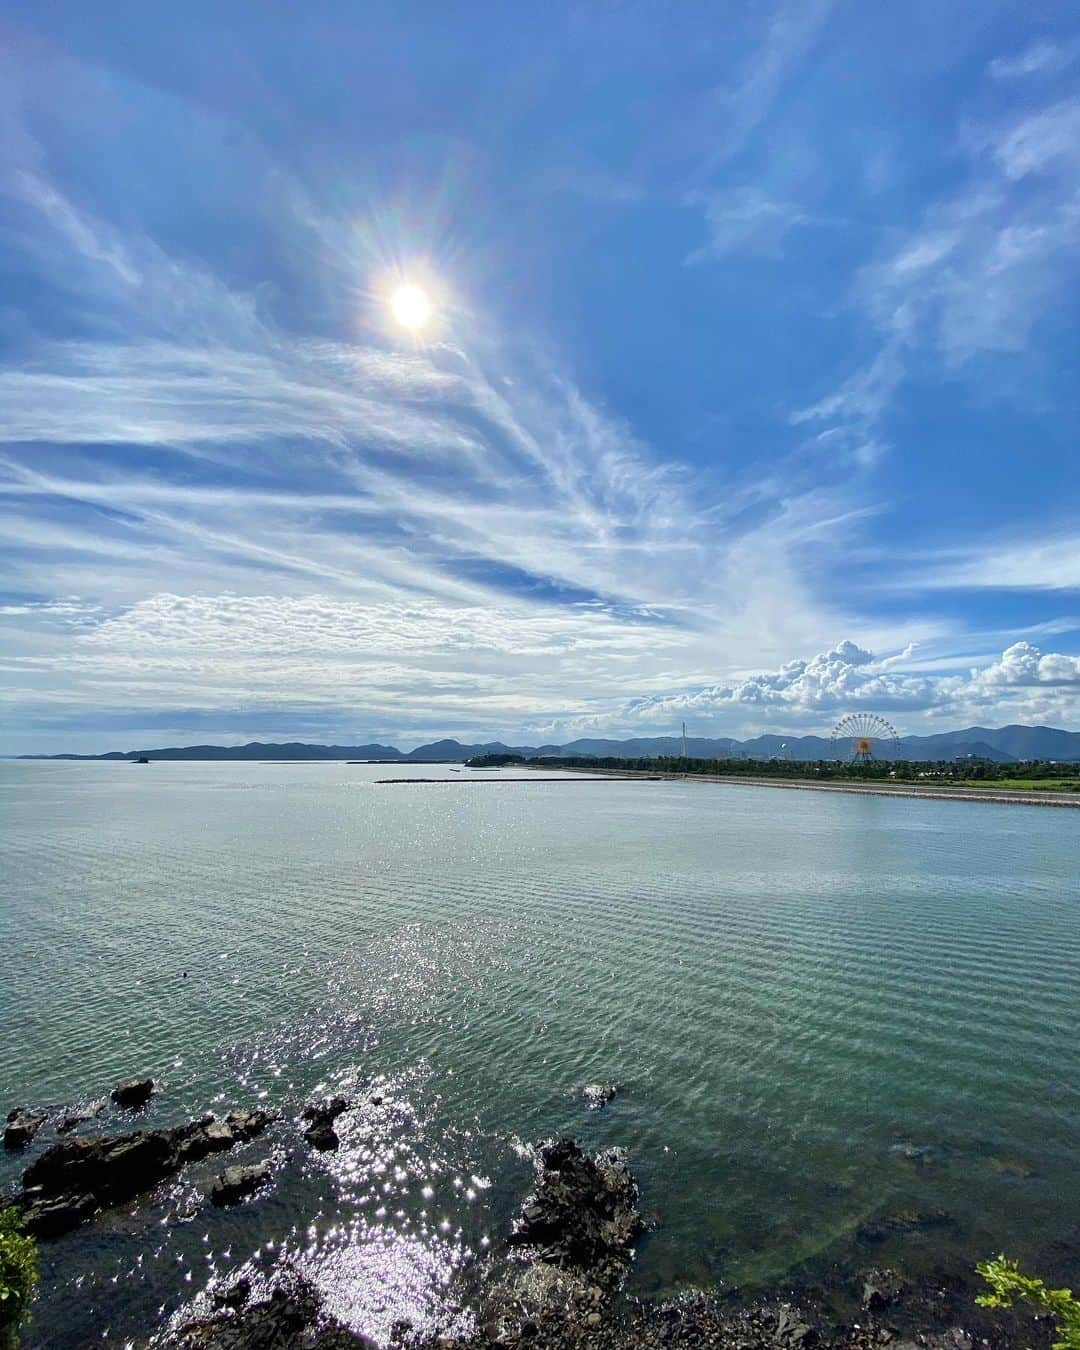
(855, 736)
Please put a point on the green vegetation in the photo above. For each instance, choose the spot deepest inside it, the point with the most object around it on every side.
(18, 1275)
(1008, 1283)
(1031, 774)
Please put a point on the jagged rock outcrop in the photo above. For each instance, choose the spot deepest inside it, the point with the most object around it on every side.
(583, 1214)
(21, 1127)
(236, 1183)
(133, 1092)
(72, 1180)
(320, 1117)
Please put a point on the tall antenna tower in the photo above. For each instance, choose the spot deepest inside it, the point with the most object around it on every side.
(684, 754)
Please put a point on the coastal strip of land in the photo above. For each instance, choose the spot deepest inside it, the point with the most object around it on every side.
(1000, 796)
(582, 777)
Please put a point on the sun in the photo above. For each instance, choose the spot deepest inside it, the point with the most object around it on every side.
(411, 307)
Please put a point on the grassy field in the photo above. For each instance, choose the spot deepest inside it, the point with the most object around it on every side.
(1027, 784)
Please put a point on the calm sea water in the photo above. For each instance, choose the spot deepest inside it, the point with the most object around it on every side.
(819, 1009)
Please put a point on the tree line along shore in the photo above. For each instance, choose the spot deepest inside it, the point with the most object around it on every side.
(1023, 776)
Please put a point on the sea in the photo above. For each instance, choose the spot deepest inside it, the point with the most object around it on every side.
(844, 1030)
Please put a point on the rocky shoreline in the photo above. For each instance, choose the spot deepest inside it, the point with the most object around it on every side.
(560, 1313)
(561, 1277)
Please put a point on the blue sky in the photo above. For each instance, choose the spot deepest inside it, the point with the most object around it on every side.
(749, 395)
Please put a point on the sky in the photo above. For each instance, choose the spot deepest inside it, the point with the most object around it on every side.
(747, 393)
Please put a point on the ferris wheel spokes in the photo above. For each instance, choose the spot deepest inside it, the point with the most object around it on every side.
(855, 736)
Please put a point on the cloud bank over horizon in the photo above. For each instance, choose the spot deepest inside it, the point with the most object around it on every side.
(236, 503)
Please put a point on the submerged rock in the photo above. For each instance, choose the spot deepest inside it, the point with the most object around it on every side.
(74, 1179)
(320, 1116)
(598, 1094)
(915, 1155)
(1012, 1167)
(237, 1182)
(21, 1127)
(902, 1221)
(583, 1214)
(133, 1092)
(79, 1117)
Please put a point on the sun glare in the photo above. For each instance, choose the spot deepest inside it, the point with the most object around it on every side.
(411, 308)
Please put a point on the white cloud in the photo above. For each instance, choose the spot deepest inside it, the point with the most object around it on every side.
(748, 219)
(986, 266)
(845, 677)
(733, 111)
(389, 534)
(1045, 142)
(850, 415)
(1041, 57)
(983, 268)
(1048, 564)
(1024, 665)
(1024, 684)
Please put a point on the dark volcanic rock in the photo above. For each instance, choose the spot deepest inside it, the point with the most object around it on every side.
(113, 1168)
(21, 1127)
(584, 1212)
(235, 1296)
(288, 1319)
(598, 1094)
(578, 1320)
(237, 1182)
(880, 1288)
(791, 1329)
(320, 1116)
(208, 1135)
(73, 1179)
(133, 1092)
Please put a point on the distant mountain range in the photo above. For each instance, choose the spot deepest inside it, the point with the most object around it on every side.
(1004, 745)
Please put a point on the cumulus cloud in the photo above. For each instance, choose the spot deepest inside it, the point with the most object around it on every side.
(847, 676)
(1024, 665)
(807, 694)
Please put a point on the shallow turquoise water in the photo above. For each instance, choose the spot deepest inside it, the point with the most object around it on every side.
(819, 1009)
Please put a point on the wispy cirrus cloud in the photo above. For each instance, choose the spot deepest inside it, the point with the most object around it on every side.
(749, 219)
(1044, 56)
(983, 268)
(733, 110)
(1008, 564)
(261, 520)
